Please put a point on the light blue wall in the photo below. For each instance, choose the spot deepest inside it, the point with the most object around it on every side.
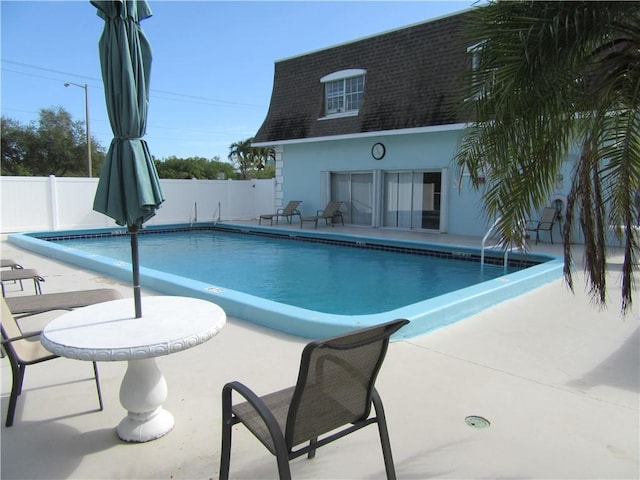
(304, 164)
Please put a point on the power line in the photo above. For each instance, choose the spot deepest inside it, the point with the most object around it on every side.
(34, 75)
(227, 102)
(181, 96)
(49, 70)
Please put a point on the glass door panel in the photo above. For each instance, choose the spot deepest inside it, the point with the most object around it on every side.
(355, 193)
(431, 193)
(361, 207)
(397, 205)
(412, 200)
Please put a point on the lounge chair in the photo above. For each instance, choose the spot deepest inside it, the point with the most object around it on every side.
(19, 274)
(331, 212)
(546, 222)
(23, 350)
(335, 389)
(288, 212)
(9, 263)
(34, 304)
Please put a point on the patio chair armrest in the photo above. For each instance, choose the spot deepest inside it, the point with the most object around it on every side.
(21, 316)
(257, 404)
(254, 400)
(279, 211)
(21, 337)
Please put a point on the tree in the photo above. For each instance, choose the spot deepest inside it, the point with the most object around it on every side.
(266, 166)
(54, 145)
(13, 141)
(240, 155)
(251, 161)
(193, 167)
(549, 75)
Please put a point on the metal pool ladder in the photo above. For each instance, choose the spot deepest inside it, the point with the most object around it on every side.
(486, 238)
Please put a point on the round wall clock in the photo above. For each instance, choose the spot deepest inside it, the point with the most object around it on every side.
(378, 150)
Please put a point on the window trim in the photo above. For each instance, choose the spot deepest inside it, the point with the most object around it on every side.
(343, 74)
(337, 76)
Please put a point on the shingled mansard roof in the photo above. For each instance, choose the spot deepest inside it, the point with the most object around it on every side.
(413, 79)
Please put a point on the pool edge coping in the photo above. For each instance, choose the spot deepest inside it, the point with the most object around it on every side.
(425, 316)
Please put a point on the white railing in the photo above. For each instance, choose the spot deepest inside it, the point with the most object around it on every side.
(497, 246)
(63, 203)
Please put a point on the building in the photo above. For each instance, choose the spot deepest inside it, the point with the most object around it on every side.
(375, 124)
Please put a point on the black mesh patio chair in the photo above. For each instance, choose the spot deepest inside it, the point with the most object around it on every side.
(335, 389)
(546, 222)
(22, 350)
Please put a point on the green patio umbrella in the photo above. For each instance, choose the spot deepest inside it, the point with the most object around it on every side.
(129, 189)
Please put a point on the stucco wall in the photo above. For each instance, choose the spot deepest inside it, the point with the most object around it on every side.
(304, 164)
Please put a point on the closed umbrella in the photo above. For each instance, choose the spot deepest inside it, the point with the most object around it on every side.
(128, 189)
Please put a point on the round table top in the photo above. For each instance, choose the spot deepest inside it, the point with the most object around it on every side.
(109, 331)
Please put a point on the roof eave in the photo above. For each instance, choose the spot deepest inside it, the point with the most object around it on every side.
(351, 136)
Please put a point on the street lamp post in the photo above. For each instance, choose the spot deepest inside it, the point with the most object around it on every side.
(86, 114)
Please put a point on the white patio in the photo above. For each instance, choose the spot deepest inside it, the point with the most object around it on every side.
(557, 378)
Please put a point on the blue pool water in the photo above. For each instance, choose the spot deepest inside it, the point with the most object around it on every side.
(316, 276)
(310, 284)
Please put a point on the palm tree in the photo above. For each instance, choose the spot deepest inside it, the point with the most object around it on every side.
(248, 157)
(264, 155)
(240, 153)
(549, 76)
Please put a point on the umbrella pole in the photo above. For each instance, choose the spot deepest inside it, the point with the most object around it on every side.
(135, 262)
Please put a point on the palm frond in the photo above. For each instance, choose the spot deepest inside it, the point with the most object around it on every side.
(547, 75)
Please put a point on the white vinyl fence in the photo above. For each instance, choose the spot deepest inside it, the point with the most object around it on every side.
(63, 203)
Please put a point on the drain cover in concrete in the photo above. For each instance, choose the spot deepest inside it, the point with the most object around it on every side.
(477, 422)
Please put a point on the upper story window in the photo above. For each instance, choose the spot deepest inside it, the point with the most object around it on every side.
(343, 92)
(480, 80)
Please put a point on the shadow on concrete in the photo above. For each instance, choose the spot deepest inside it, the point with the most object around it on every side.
(620, 370)
(66, 448)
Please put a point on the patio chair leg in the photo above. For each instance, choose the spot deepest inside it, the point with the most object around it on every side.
(384, 437)
(227, 423)
(37, 286)
(225, 454)
(97, 377)
(312, 452)
(13, 400)
(284, 471)
(16, 390)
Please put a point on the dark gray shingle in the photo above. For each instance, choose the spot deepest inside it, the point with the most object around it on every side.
(413, 80)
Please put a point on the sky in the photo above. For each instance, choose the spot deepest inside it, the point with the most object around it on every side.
(213, 61)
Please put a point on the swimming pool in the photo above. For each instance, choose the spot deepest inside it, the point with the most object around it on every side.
(270, 303)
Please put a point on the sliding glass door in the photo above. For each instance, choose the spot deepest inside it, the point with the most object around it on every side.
(412, 200)
(355, 192)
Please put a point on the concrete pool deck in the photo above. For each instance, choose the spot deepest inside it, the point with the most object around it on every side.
(557, 378)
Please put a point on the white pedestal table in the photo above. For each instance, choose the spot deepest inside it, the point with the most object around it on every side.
(110, 332)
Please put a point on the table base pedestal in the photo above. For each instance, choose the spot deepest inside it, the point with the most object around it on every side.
(139, 428)
(142, 393)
